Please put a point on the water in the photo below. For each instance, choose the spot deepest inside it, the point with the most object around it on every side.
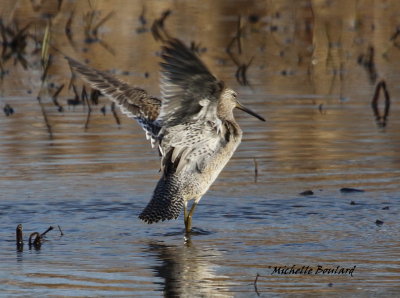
(93, 184)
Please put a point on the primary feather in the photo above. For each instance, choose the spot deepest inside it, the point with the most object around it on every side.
(133, 102)
(188, 88)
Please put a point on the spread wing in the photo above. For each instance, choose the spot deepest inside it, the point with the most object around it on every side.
(192, 131)
(190, 92)
(134, 102)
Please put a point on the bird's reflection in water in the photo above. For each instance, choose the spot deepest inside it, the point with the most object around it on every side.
(188, 270)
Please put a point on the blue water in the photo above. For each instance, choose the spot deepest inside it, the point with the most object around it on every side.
(94, 185)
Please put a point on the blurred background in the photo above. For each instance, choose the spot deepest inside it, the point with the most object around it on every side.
(305, 47)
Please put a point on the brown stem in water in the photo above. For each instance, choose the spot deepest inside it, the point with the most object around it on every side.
(19, 237)
(37, 242)
(61, 232)
(381, 121)
(255, 285)
(255, 170)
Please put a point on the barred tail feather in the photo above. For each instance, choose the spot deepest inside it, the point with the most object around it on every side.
(166, 203)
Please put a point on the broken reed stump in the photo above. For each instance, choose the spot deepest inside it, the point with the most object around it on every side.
(37, 242)
(381, 120)
(19, 238)
(35, 239)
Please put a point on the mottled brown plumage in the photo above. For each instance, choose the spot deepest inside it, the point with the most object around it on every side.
(193, 125)
(133, 101)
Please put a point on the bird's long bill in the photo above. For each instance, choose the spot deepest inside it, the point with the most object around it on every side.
(243, 108)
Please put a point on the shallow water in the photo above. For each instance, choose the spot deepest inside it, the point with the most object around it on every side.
(93, 184)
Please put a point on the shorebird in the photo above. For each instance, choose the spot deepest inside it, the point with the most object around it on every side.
(193, 126)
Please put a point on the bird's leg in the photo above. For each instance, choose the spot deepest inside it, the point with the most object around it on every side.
(185, 213)
(188, 217)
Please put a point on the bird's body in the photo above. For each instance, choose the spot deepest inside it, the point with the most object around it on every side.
(189, 177)
(193, 125)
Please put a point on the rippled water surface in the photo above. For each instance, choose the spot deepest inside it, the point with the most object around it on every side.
(320, 135)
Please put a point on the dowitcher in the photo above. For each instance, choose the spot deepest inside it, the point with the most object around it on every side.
(193, 126)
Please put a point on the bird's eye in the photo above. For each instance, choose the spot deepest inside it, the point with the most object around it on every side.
(234, 95)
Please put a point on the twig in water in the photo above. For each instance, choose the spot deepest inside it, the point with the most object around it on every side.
(36, 7)
(255, 284)
(45, 232)
(37, 242)
(46, 120)
(61, 232)
(157, 28)
(14, 42)
(368, 62)
(101, 22)
(241, 75)
(60, 2)
(396, 34)
(72, 80)
(107, 47)
(68, 30)
(46, 59)
(83, 95)
(237, 38)
(142, 20)
(46, 66)
(381, 121)
(3, 72)
(239, 31)
(94, 96)
(255, 170)
(103, 110)
(54, 98)
(115, 113)
(394, 37)
(91, 30)
(196, 47)
(45, 56)
(321, 109)
(76, 100)
(8, 110)
(85, 99)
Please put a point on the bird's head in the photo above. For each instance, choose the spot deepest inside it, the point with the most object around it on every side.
(229, 101)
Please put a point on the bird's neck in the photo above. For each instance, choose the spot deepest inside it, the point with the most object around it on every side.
(232, 129)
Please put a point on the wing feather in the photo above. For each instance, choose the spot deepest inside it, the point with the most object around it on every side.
(185, 83)
(191, 130)
(133, 102)
(188, 147)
